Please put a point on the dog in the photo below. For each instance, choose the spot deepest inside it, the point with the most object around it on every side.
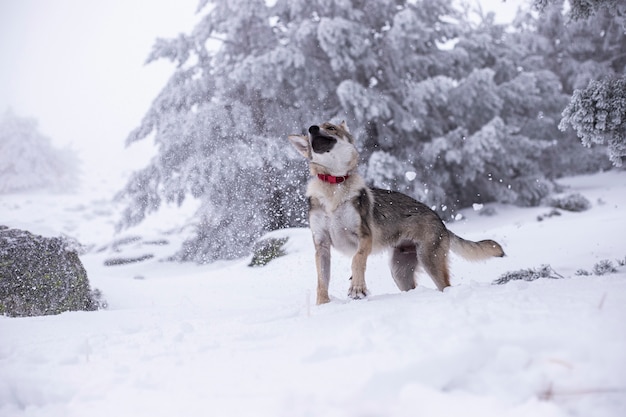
(357, 220)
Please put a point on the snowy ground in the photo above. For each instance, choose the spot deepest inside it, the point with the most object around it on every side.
(229, 340)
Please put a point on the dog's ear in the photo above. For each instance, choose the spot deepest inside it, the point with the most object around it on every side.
(344, 126)
(301, 143)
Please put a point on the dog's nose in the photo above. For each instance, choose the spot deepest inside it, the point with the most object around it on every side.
(314, 129)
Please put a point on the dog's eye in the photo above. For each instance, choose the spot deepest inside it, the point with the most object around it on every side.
(331, 128)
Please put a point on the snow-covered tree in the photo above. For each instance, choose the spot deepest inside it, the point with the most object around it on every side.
(598, 114)
(579, 50)
(584, 9)
(222, 120)
(437, 104)
(29, 161)
(589, 52)
(495, 163)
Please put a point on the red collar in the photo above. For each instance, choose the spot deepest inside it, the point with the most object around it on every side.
(332, 179)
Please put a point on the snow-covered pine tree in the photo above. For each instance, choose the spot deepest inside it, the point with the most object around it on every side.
(495, 163)
(424, 92)
(584, 9)
(412, 78)
(598, 114)
(475, 126)
(589, 52)
(29, 161)
(221, 121)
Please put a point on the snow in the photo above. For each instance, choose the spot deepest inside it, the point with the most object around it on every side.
(229, 340)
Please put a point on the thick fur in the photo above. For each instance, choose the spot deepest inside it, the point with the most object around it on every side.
(358, 220)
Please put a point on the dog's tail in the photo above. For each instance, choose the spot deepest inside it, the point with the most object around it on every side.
(475, 251)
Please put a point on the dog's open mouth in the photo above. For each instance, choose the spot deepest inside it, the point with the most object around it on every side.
(322, 144)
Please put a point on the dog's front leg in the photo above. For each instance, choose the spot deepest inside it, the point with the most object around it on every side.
(358, 289)
(322, 262)
(362, 205)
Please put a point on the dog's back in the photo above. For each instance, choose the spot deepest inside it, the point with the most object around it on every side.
(399, 217)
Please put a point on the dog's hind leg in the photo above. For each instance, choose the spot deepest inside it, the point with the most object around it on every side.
(434, 257)
(403, 265)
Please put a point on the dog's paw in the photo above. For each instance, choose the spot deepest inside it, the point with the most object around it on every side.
(357, 292)
(323, 299)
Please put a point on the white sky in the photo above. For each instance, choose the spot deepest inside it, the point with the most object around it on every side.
(77, 66)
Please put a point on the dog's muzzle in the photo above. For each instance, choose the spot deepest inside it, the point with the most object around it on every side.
(320, 142)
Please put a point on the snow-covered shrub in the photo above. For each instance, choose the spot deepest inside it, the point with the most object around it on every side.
(268, 249)
(573, 202)
(29, 161)
(552, 213)
(127, 260)
(488, 211)
(604, 267)
(530, 274)
(42, 276)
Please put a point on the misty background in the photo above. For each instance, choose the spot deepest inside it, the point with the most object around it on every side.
(78, 69)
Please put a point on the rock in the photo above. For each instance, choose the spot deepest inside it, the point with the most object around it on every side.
(42, 276)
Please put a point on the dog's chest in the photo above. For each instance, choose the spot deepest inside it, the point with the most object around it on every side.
(340, 223)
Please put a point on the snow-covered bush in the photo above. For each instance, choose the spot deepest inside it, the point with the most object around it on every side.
(604, 267)
(42, 276)
(573, 202)
(266, 250)
(29, 161)
(127, 260)
(530, 274)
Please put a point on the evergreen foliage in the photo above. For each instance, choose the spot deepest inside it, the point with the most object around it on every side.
(268, 249)
(604, 267)
(591, 58)
(448, 111)
(598, 114)
(573, 202)
(530, 274)
(584, 9)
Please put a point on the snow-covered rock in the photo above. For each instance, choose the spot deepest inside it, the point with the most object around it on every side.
(41, 276)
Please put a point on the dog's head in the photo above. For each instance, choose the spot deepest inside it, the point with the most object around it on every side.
(329, 148)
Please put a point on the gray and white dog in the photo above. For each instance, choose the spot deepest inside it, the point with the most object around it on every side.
(358, 220)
